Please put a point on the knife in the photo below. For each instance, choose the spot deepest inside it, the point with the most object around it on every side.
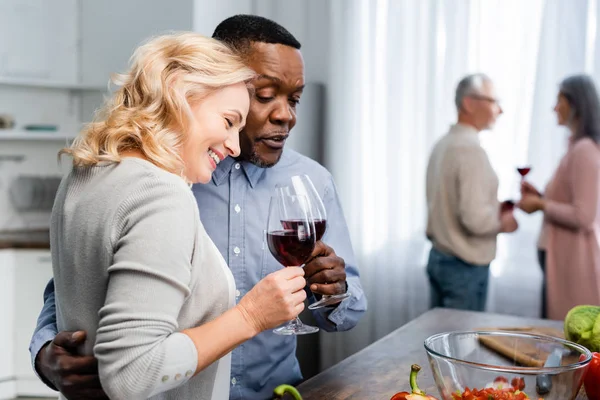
(543, 383)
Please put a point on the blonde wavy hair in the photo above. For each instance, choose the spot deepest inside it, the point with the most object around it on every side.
(150, 111)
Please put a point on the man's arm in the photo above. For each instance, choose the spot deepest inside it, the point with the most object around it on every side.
(339, 249)
(45, 329)
(54, 356)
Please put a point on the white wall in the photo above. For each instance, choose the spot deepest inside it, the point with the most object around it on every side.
(308, 21)
(38, 39)
(208, 14)
(112, 29)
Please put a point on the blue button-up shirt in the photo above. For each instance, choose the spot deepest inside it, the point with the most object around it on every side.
(234, 210)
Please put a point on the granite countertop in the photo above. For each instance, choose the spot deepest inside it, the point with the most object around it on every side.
(34, 239)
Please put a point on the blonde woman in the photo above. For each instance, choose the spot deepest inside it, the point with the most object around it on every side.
(133, 265)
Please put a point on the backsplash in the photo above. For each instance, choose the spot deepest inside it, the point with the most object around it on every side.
(29, 176)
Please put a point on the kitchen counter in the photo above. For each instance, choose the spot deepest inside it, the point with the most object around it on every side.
(381, 369)
(38, 239)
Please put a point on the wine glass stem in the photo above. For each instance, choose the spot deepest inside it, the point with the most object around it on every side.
(295, 323)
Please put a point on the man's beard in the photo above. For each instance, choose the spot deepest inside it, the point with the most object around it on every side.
(256, 160)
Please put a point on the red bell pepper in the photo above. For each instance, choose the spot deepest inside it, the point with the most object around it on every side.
(591, 381)
(417, 394)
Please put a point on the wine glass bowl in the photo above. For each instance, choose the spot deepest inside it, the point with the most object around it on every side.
(523, 170)
(303, 185)
(291, 240)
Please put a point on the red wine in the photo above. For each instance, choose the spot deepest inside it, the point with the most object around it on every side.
(524, 171)
(291, 247)
(320, 226)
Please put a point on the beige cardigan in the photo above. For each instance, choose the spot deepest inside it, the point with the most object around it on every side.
(462, 197)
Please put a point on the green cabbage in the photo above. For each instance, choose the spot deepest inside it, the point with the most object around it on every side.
(582, 326)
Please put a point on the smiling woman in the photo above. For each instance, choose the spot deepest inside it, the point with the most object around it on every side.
(172, 104)
(133, 265)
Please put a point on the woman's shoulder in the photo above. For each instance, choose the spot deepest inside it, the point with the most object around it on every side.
(585, 145)
(143, 184)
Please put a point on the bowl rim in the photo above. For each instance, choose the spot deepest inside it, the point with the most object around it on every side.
(513, 369)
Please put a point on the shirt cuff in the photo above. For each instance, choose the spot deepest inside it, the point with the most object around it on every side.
(337, 315)
(179, 365)
(39, 340)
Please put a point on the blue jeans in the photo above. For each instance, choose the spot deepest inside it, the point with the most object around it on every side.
(455, 283)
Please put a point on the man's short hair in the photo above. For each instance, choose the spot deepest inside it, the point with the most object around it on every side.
(239, 31)
(470, 84)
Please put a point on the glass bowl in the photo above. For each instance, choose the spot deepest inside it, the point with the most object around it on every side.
(540, 366)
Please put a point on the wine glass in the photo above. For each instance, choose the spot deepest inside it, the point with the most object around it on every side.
(291, 240)
(302, 185)
(523, 170)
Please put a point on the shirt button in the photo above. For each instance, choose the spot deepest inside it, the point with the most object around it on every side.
(233, 381)
(237, 208)
(236, 250)
(237, 293)
(189, 373)
(165, 378)
(237, 166)
(177, 377)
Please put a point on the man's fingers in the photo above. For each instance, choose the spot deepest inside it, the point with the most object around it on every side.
(317, 265)
(84, 382)
(321, 249)
(328, 289)
(80, 365)
(69, 340)
(97, 394)
(328, 276)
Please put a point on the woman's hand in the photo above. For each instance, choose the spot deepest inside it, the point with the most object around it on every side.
(531, 203)
(528, 189)
(277, 298)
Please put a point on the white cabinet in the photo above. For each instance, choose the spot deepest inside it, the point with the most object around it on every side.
(24, 274)
(8, 385)
(38, 39)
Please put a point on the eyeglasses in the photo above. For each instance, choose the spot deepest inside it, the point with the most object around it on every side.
(485, 98)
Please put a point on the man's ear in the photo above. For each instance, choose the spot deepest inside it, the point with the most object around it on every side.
(467, 104)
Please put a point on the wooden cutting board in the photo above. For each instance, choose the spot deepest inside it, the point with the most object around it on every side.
(523, 354)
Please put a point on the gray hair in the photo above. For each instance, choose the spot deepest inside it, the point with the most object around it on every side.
(580, 92)
(469, 85)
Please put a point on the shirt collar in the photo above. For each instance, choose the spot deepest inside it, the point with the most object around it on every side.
(251, 171)
(464, 128)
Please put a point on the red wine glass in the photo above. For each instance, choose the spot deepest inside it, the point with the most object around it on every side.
(302, 185)
(291, 240)
(523, 171)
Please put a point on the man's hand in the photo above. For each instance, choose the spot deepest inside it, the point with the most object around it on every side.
(75, 376)
(325, 272)
(508, 223)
